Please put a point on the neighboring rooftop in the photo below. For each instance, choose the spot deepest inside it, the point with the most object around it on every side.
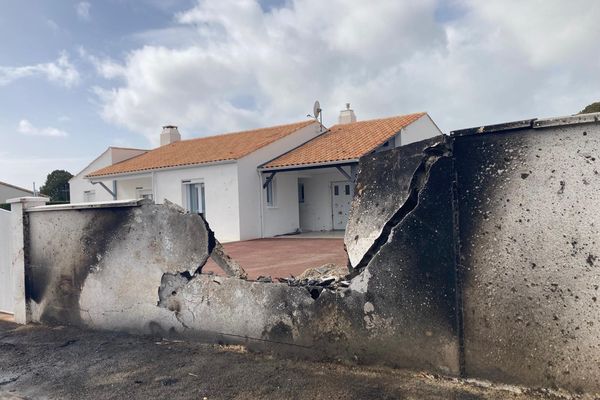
(345, 142)
(15, 187)
(230, 146)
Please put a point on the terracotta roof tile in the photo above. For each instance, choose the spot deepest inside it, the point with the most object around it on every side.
(345, 141)
(230, 146)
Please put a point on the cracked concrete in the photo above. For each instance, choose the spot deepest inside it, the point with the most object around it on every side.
(372, 225)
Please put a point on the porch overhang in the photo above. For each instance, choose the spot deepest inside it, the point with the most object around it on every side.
(304, 167)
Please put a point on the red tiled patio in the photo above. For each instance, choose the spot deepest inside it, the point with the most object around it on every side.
(282, 257)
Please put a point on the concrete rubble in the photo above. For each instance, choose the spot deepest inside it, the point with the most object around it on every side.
(472, 255)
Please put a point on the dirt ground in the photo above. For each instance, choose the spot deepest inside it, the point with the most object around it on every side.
(38, 362)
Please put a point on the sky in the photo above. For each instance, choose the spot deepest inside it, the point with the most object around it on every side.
(79, 76)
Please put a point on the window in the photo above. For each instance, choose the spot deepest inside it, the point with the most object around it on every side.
(270, 193)
(336, 190)
(195, 197)
(144, 193)
(300, 192)
(347, 190)
(89, 196)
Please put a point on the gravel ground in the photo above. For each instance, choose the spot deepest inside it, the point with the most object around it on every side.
(38, 362)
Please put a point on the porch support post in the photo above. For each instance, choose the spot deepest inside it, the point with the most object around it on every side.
(113, 194)
(354, 172)
(344, 172)
(18, 250)
(269, 179)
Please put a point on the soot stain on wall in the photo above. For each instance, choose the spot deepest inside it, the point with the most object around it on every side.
(95, 241)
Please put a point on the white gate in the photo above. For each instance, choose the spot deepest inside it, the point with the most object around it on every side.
(6, 281)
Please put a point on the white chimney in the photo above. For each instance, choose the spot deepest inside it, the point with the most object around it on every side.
(169, 135)
(347, 116)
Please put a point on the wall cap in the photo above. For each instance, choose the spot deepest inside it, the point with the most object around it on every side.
(83, 206)
(28, 199)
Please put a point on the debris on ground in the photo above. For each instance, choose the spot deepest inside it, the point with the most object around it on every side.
(264, 279)
(328, 276)
(327, 270)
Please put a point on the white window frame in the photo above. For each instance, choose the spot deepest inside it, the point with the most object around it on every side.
(185, 186)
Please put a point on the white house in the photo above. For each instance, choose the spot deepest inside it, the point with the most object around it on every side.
(8, 191)
(257, 183)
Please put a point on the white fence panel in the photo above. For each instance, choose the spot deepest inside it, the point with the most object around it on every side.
(6, 281)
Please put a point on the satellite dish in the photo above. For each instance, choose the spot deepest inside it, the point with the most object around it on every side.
(317, 110)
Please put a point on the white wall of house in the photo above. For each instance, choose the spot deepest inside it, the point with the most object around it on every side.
(79, 185)
(250, 186)
(315, 212)
(283, 216)
(423, 128)
(82, 190)
(221, 194)
(10, 192)
(132, 187)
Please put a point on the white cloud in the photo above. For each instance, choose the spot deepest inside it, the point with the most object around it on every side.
(83, 10)
(105, 67)
(27, 128)
(238, 66)
(61, 71)
(52, 25)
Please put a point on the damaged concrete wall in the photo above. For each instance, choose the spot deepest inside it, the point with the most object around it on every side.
(137, 269)
(385, 183)
(530, 242)
(526, 243)
(401, 314)
(400, 241)
(102, 267)
(473, 255)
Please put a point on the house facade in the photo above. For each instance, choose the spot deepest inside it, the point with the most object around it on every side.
(257, 183)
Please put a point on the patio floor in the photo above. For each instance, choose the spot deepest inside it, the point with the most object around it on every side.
(282, 257)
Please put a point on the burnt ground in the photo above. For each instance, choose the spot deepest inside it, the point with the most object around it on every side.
(70, 363)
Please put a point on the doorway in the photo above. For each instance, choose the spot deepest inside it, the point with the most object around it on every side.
(341, 201)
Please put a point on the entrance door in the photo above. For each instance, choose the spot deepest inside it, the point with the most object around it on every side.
(341, 194)
(6, 280)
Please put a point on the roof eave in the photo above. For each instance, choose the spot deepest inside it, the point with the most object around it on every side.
(324, 164)
(151, 170)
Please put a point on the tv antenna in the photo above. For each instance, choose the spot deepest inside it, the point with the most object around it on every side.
(317, 114)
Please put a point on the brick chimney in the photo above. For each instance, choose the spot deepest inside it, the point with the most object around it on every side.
(169, 135)
(347, 116)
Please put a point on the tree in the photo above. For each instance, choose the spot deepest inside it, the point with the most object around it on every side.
(57, 185)
(591, 108)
